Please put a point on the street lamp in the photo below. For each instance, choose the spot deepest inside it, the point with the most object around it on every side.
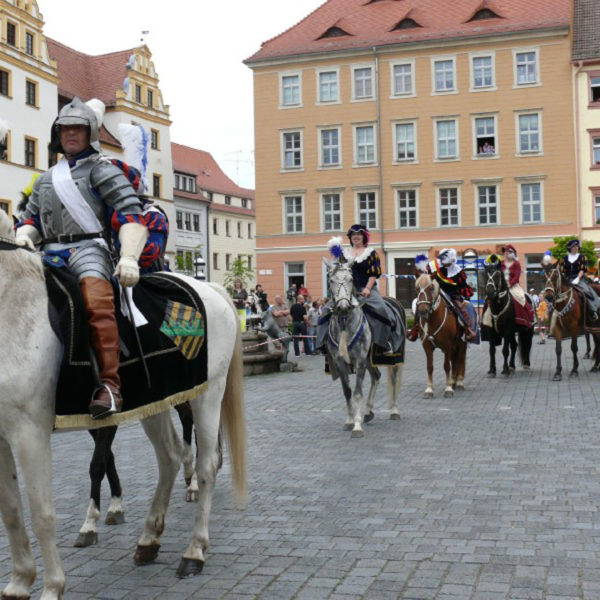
(199, 264)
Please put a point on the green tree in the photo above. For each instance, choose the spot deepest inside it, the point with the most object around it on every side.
(559, 250)
(238, 270)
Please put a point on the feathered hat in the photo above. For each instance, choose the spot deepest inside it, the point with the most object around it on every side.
(421, 261)
(334, 245)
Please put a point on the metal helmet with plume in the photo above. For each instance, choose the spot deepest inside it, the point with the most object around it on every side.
(89, 114)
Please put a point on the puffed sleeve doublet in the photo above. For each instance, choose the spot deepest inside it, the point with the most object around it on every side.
(368, 267)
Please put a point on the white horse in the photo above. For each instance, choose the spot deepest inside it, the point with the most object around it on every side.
(348, 344)
(29, 367)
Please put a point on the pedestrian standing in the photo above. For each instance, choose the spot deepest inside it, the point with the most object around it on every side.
(300, 321)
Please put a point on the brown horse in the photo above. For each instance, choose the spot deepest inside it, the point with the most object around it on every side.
(568, 319)
(439, 328)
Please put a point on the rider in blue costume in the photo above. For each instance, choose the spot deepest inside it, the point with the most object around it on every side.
(366, 269)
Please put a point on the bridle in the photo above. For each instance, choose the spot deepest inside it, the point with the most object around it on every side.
(499, 293)
(433, 304)
(554, 286)
(342, 295)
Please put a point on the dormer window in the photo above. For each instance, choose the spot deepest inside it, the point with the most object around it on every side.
(333, 32)
(484, 13)
(406, 23)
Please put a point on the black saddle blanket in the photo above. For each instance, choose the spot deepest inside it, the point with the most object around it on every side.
(378, 356)
(173, 342)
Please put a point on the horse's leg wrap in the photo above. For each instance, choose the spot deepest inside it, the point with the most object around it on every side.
(100, 306)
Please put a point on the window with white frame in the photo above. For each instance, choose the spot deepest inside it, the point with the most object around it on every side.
(179, 219)
(227, 262)
(448, 207)
(293, 214)
(367, 209)
(487, 204)
(529, 133)
(228, 228)
(407, 208)
(292, 149)
(485, 136)
(596, 208)
(249, 231)
(402, 79)
(526, 67)
(332, 212)
(328, 86)
(443, 75)
(187, 217)
(330, 147)
(447, 146)
(405, 142)
(290, 90)
(596, 151)
(595, 89)
(531, 202)
(363, 82)
(483, 72)
(196, 220)
(239, 228)
(365, 144)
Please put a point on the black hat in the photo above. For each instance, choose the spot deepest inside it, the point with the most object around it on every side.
(572, 243)
(357, 228)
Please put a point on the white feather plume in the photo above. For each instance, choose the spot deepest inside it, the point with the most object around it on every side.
(547, 259)
(98, 107)
(3, 130)
(134, 140)
(334, 241)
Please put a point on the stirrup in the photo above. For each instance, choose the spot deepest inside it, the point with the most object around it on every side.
(100, 411)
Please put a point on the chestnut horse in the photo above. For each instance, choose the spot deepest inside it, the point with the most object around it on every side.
(439, 328)
(568, 319)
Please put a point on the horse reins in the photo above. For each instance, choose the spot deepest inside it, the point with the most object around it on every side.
(433, 306)
(496, 316)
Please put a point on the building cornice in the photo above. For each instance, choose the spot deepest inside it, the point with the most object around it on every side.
(30, 68)
(526, 35)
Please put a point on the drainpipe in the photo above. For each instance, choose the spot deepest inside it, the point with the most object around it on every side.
(380, 159)
(577, 147)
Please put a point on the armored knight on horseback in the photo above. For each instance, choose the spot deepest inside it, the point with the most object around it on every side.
(453, 282)
(573, 267)
(72, 212)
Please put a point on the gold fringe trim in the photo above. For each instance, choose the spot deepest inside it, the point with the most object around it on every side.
(73, 422)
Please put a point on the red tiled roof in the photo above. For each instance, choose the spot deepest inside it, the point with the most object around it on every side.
(227, 208)
(586, 30)
(372, 23)
(88, 76)
(190, 195)
(209, 175)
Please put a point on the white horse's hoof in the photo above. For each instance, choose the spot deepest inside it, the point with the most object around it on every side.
(115, 518)
(357, 433)
(448, 393)
(394, 417)
(88, 538)
(428, 395)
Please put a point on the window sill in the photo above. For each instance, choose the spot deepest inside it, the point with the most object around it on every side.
(364, 165)
(519, 86)
(369, 99)
(594, 105)
(488, 224)
(289, 106)
(476, 90)
(329, 167)
(527, 154)
(400, 96)
(32, 106)
(327, 102)
(595, 168)
(486, 156)
(449, 159)
(450, 226)
(443, 92)
(407, 161)
(296, 170)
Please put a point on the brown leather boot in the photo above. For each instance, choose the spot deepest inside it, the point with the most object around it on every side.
(100, 305)
(413, 335)
(469, 332)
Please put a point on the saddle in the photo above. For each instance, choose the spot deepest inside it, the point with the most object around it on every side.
(173, 342)
(472, 313)
(377, 355)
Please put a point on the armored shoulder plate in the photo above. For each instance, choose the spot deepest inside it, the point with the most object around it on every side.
(114, 188)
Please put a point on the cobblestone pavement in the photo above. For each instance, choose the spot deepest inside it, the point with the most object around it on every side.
(490, 495)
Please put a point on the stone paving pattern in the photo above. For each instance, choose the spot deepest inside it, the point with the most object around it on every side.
(490, 495)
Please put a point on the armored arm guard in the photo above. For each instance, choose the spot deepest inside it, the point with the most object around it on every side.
(114, 189)
(30, 213)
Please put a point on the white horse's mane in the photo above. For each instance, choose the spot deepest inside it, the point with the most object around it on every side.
(17, 263)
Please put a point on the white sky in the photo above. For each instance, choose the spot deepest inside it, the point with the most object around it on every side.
(197, 47)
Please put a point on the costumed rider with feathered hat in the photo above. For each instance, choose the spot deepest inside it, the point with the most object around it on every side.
(573, 267)
(70, 213)
(453, 281)
(366, 270)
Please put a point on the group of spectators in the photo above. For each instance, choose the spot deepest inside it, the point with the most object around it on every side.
(298, 309)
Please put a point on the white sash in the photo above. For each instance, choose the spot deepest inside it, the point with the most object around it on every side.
(72, 199)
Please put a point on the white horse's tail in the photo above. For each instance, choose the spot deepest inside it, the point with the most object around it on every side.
(344, 347)
(394, 382)
(232, 417)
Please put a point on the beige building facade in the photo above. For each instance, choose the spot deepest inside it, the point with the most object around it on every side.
(456, 141)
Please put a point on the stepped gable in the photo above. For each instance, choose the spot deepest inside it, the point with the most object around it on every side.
(372, 23)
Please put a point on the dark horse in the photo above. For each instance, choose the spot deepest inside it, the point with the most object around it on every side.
(502, 312)
(568, 319)
(103, 463)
